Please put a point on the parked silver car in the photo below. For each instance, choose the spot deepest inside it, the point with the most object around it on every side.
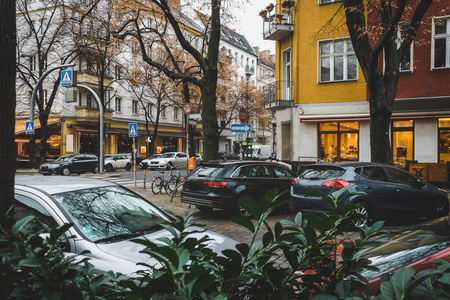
(105, 217)
(168, 160)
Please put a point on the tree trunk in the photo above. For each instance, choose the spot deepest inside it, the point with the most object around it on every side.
(8, 95)
(209, 117)
(380, 117)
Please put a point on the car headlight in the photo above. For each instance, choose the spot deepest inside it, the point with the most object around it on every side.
(53, 166)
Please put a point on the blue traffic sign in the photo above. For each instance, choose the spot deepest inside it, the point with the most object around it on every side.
(68, 78)
(241, 127)
(132, 130)
(29, 127)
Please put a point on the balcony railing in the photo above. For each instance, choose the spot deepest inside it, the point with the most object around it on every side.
(278, 23)
(278, 95)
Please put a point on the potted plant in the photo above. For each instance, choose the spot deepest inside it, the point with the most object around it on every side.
(270, 7)
(263, 13)
(288, 3)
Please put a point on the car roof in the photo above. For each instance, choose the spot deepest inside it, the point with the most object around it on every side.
(350, 164)
(242, 163)
(60, 184)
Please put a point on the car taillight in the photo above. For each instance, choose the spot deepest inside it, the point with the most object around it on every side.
(184, 180)
(215, 184)
(295, 181)
(335, 183)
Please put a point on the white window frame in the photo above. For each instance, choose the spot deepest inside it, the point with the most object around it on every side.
(175, 113)
(286, 77)
(447, 43)
(332, 55)
(150, 109)
(32, 63)
(134, 107)
(163, 112)
(118, 107)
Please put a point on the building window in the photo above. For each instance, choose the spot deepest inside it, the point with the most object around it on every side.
(45, 95)
(286, 76)
(406, 61)
(134, 107)
(150, 109)
(402, 141)
(32, 63)
(118, 72)
(339, 141)
(337, 61)
(329, 1)
(118, 104)
(444, 140)
(441, 43)
(163, 111)
(88, 100)
(175, 113)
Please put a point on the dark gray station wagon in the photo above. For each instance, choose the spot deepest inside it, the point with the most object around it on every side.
(221, 185)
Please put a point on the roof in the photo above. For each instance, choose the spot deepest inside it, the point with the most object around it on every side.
(60, 184)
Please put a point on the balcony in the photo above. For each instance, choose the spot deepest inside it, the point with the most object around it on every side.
(278, 95)
(92, 80)
(278, 23)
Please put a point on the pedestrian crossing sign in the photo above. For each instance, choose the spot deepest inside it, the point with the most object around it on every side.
(132, 130)
(68, 78)
(29, 127)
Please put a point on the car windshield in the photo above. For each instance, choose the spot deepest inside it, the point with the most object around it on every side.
(109, 157)
(321, 172)
(107, 212)
(167, 155)
(208, 171)
(65, 158)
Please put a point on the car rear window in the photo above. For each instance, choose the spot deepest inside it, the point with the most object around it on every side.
(321, 172)
(208, 171)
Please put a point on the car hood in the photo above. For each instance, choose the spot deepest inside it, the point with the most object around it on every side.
(130, 254)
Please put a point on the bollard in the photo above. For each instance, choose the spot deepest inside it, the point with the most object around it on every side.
(145, 178)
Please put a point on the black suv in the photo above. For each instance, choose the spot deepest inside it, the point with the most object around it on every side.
(222, 184)
(72, 163)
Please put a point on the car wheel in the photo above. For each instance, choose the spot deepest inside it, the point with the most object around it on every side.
(239, 210)
(65, 171)
(363, 210)
(205, 209)
(169, 165)
(438, 210)
(128, 167)
(109, 168)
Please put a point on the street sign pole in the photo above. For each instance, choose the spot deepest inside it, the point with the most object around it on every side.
(132, 132)
(134, 162)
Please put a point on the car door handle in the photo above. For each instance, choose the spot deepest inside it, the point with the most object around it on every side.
(368, 188)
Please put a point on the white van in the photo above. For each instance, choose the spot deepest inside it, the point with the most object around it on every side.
(261, 152)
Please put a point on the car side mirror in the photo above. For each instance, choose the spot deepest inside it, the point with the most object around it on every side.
(418, 183)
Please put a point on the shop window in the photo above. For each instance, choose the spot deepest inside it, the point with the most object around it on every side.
(339, 141)
(402, 142)
(444, 140)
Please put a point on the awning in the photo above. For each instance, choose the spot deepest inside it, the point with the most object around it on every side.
(366, 116)
(20, 124)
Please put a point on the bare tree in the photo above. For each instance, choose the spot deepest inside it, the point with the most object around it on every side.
(165, 24)
(42, 30)
(373, 27)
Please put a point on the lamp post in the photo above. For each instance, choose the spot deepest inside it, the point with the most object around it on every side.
(248, 73)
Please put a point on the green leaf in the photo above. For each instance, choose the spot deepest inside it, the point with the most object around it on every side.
(251, 206)
(244, 222)
(30, 262)
(21, 225)
(343, 289)
(402, 278)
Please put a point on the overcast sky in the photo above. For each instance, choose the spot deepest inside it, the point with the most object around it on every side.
(251, 25)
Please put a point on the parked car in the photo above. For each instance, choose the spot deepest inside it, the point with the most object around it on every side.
(117, 161)
(260, 152)
(72, 163)
(222, 184)
(198, 158)
(416, 247)
(144, 163)
(105, 217)
(227, 156)
(168, 160)
(389, 192)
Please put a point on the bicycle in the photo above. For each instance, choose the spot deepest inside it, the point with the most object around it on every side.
(169, 183)
(177, 191)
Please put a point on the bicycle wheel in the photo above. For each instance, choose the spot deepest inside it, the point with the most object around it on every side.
(156, 185)
(172, 183)
(176, 194)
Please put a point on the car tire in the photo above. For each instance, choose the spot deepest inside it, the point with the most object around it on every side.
(128, 167)
(438, 209)
(65, 171)
(365, 211)
(205, 209)
(239, 210)
(109, 168)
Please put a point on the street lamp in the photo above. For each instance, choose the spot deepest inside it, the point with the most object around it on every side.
(248, 73)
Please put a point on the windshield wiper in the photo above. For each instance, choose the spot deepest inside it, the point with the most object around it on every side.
(119, 237)
(149, 229)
